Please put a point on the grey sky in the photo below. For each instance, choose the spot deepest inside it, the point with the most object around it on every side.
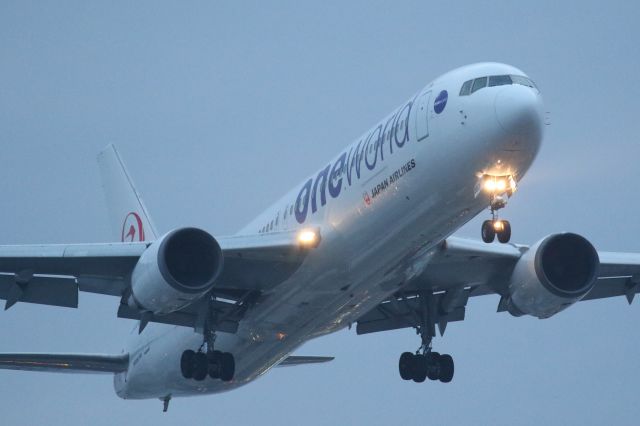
(218, 109)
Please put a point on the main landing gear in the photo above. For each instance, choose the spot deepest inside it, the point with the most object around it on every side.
(425, 363)
(499, 188)
(216, 364)
(419, 366)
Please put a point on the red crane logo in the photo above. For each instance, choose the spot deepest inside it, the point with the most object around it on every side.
(132, 229)
(367, 198)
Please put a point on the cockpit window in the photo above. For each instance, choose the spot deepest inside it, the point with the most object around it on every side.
(472, 86)
(499, 80)
(478, 84)
(466, 88)
(517, 79)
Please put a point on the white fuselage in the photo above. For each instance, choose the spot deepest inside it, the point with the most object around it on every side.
(382, 204)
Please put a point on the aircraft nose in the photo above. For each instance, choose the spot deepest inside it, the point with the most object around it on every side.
(519, 110)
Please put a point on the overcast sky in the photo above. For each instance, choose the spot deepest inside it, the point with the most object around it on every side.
(219, 108)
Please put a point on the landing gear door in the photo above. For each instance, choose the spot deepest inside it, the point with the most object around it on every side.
(422, 116)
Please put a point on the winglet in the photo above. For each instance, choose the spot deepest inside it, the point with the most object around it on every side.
(129, 218)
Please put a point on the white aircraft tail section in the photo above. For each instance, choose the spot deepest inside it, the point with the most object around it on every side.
(127, 213)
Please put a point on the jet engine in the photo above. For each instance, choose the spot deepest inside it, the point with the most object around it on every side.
(552, 275)
(175, 270)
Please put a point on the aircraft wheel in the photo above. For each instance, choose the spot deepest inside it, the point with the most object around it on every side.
(419, 368)
(446, 368)
(505, 234)
(201, 366)
(187, 363)
(227, 366)
(213, 361)
(488, 231)
(405, 365)
(433, 365)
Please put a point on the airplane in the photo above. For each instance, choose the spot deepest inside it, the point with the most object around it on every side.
(365, 241)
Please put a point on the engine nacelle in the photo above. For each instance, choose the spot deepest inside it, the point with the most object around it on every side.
(176, 270)
(552, 275)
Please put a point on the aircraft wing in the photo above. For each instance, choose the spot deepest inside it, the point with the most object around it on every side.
(99, 363)
(55, 274)
(64, 363)
(460, 269)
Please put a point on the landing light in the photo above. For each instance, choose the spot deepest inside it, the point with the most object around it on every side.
(308, 238)
(498, 225)
(498, 184)
(490, 185)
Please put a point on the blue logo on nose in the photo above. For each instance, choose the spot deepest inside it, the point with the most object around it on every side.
(440, 102)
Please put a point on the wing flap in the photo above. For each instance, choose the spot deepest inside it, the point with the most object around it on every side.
(402, 312)
(186, 318)
(610, 287)
(619, 275)
(64, 363)
(294, 360)
(619, 264)
(56, 291)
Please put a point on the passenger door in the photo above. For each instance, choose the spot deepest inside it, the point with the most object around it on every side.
(422, 116)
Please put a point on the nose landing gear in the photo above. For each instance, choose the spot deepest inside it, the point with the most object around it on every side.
(499, 188)
(496, 227)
